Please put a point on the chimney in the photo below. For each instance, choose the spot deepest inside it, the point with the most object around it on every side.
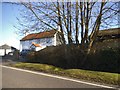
(26, 32)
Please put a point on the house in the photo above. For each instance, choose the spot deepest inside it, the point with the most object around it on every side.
(6, 49)
(38, 41)
(113, 33)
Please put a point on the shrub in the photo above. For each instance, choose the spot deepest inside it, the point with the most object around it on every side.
(105, 60)
(72, 56)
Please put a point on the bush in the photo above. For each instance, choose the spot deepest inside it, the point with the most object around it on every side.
(105, 60)
(31, 56)
(72, 56)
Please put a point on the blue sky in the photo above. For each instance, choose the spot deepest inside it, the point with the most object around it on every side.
(8, 18)
(7, 32)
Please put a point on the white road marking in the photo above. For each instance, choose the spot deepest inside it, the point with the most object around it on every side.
(59, 77)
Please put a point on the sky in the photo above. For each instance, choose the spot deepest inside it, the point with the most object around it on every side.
(7, 31)
(8, 20)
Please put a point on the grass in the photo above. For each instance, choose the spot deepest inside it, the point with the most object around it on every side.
(95, 76)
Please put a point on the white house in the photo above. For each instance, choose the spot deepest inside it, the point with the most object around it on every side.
(38, 41)
(5, 49)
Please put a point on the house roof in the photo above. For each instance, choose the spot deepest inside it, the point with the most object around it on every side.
(46, 34)
(13, 48)
(5, 46)
(113, 31)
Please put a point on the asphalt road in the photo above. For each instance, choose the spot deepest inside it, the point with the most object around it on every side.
(12, 78)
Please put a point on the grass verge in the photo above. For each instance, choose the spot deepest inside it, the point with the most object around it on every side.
(95, 76)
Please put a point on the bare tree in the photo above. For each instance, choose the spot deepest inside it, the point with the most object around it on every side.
(69, 31)
(60, 22)
(79, 22)
(96, 27)
(77, 28)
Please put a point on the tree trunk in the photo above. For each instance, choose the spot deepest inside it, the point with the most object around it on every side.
(95, 29)
(68, 24)
(77, 29)
(60, 22)
(82, 22)
(86, 24)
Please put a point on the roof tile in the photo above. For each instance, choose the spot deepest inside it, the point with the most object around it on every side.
(45, 34)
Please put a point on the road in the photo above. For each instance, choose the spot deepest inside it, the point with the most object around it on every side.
(15, 78)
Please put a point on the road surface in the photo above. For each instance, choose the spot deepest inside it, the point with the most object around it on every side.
(15, 78)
